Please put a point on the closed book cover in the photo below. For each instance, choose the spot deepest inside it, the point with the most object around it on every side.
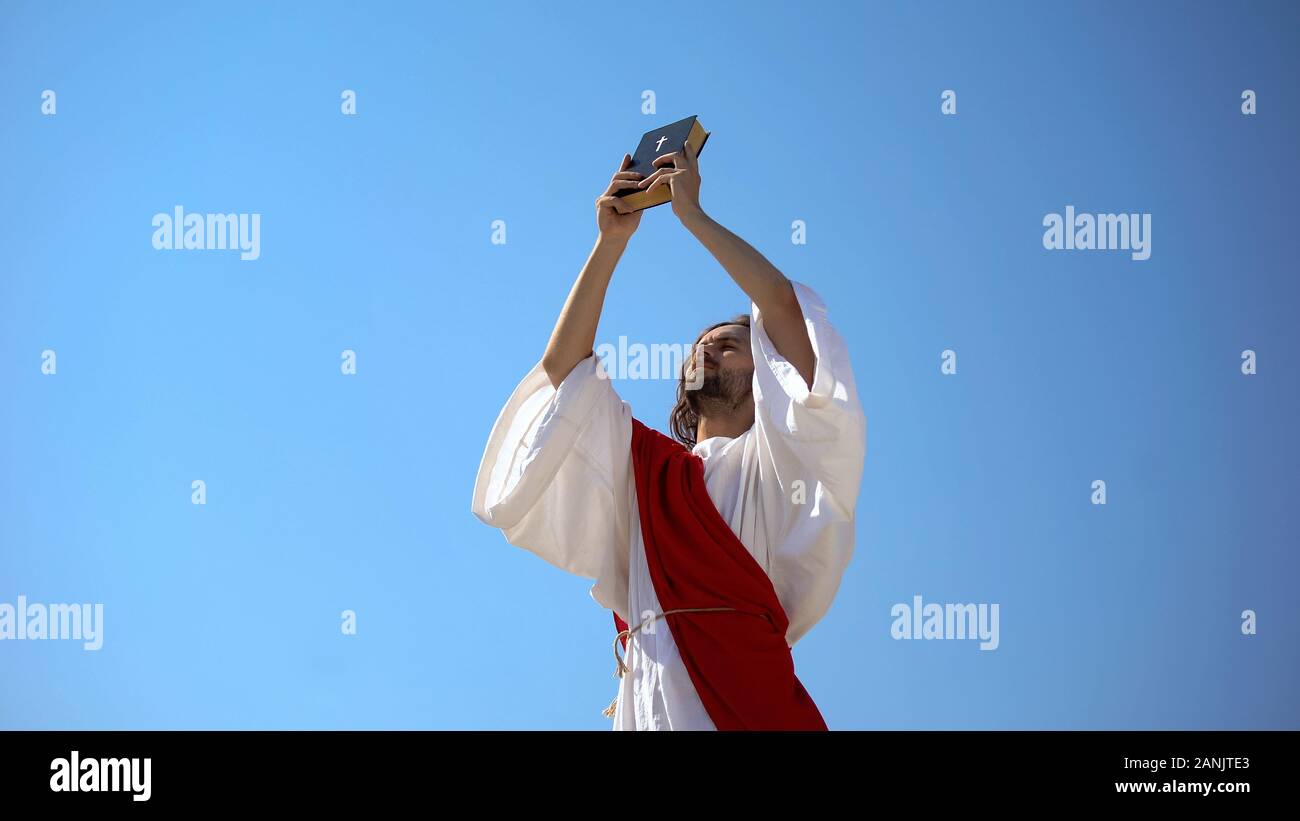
(655, 143)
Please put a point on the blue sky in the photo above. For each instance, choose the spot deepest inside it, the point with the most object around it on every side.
(328, 492)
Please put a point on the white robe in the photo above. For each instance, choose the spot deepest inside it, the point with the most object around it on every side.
(556, 478)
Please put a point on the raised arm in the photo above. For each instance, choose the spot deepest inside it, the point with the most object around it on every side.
(575, 330)
(759, 279)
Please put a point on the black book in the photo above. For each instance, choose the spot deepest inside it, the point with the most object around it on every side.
(655, 143)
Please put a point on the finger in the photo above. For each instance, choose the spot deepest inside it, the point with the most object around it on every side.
(615, 203)
(690, 152)
(664, 180)
(656, 175)
(665, 158)
(619, 185)
(628, 175)
(627, 160)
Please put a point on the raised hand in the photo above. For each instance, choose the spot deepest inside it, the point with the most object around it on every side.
(682, 178)
(614, 218)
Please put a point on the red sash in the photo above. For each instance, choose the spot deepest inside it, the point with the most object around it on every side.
(739, 662)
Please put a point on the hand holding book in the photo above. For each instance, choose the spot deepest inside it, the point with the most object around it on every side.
(616, 219)
(680, 173)
(663, 155)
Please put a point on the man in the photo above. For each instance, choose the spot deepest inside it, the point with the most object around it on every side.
(718, 551)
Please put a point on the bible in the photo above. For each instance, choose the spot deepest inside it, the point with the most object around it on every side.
(654, 143)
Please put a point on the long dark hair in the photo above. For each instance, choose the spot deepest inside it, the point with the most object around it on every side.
(684, 418)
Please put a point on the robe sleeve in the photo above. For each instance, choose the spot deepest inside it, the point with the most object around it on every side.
(817, 436)
(555, 476)
(824, 428)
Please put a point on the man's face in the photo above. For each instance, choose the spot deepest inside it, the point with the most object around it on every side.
(723, 368)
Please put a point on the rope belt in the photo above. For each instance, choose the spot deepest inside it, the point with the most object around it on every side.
(622, 668)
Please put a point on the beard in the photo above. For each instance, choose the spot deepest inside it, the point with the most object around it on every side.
(721, 391)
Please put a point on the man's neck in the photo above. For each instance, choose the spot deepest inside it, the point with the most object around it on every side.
(729, 425)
